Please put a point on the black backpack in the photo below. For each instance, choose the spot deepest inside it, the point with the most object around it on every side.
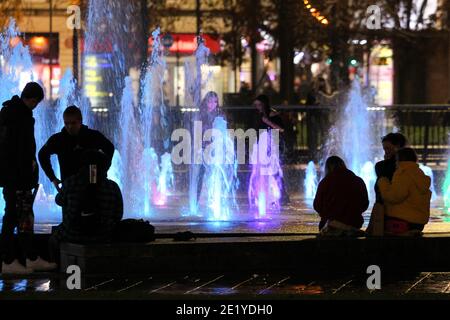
(133, 230)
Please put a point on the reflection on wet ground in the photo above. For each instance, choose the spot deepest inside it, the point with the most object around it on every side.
(297, 217)
(246, 285)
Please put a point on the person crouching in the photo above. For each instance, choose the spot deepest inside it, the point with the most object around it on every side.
(341, 199)
(407, 198)
(92, 205)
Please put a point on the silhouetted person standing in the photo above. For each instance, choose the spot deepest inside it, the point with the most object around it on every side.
(19, 174)
(69, 144)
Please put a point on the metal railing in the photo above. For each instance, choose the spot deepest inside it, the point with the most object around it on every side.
(307, 127)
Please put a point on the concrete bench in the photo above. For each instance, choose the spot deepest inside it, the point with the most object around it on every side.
(281, 253)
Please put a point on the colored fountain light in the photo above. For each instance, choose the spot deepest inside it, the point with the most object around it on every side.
(446, 189)
(264, 192)
(310, 183)
(354, 137)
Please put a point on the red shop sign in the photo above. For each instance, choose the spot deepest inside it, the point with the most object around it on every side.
(186, 43)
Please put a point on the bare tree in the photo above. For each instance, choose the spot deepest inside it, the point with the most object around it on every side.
(10, 8)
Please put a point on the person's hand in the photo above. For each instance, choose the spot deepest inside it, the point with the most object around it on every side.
(56, 183)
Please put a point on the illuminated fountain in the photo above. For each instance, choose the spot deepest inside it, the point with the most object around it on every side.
(141, 168)
(310, 183)
(354, 138)
(428, 172)
(265, 185)
(217, 196)
(152, 103)
(16, 70)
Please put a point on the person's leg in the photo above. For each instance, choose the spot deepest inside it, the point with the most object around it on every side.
(8, 226)
(25, 225)
(284, 194)
(322, 224)
(201, 174)
(25, 228)
(193, 187)
(53, 247)
(416, 227)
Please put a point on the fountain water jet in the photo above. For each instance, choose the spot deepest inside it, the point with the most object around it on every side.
(264, 192)
(354, 138)
(310, 183)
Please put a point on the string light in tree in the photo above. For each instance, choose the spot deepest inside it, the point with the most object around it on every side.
(315, 12)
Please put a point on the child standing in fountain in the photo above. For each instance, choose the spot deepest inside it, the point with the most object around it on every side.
(209, 110)
(270, 120)
(341, 199)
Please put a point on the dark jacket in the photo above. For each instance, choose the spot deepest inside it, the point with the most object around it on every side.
(342, 196)
(109, 203)
(69, 150)
(273, 117)
(17, 146)
(207, 120)
(385, 168)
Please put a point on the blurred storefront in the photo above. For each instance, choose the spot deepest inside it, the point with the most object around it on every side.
(381, 73)
(44, 50)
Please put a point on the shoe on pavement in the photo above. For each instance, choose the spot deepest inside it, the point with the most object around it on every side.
(41, 265)
(15, 268)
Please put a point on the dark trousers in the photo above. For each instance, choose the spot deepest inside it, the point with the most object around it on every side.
(411, 226)
(18, 214)
(54, 248)
(201, 175)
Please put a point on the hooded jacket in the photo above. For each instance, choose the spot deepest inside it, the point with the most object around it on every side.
(342, 196)
(384, 168)
(17, 146)
(408, 196)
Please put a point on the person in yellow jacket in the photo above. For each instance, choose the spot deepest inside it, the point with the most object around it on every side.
(407, 197)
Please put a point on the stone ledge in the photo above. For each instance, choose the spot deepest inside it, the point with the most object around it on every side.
(295, 253)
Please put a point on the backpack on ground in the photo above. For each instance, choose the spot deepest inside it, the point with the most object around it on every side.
(133, 230)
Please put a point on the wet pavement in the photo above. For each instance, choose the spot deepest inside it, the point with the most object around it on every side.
(253, 286)
(297, 217)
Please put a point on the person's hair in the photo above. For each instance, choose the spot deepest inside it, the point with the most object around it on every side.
(73, 111)
(397, 139)
(33, 90)
(266, 103)
(406, 154)
(204, 103)
(332, 163)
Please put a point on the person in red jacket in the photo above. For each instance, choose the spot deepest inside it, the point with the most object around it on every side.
(341, 198)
